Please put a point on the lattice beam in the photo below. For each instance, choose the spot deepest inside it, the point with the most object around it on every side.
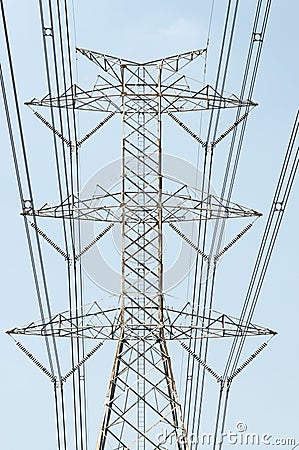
(96, 323)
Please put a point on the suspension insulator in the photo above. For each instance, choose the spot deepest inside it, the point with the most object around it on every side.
(96, 239)
(203, 363)
(52, 243)
(80, 363)
(248, 361)
(233, 241)
(36, 362)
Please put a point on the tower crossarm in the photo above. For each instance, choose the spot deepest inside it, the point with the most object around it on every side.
(94, 323)
(176, 98)
(185, 324)
(158, 80)
(105, 99)
(110, 63)
(176, 207)
(97, 323)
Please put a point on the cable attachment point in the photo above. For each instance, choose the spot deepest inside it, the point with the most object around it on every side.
(27, 204)
(278, 206)
(48, 31)
(257, 37)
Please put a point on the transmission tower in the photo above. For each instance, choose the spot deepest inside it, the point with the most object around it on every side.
(142, 398)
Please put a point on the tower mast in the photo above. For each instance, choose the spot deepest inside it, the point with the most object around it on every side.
(142, 402)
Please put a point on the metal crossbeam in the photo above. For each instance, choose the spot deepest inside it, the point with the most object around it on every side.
(176, 207)
(157, 81)
(178, 324)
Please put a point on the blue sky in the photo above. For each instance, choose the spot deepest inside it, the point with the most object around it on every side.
(265, 396)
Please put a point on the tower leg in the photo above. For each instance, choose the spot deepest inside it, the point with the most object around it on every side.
(159, 423)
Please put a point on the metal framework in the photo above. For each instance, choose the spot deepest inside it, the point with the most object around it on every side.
(142, 397)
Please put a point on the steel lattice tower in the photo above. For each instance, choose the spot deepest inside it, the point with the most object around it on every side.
(142, 397)
(142, 375)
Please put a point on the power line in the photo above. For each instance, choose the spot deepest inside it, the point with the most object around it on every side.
(142, 379)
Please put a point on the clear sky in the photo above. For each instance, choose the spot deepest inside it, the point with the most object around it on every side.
(265, 396)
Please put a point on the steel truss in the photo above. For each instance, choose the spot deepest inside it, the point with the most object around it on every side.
(142, 398)
(106, 324)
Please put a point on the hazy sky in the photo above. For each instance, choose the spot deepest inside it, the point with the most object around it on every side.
(266, 395)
